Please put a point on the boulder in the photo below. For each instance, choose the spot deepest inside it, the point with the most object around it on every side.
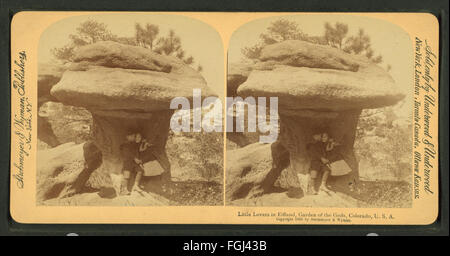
(307, 76)
(65, 169)
(251, 169)
(117, 89)
(68, 123)
(115, 55)
(300, 88)
(298, 53)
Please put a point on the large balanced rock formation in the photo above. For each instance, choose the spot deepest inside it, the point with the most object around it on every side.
(126, 88)
(319, 88)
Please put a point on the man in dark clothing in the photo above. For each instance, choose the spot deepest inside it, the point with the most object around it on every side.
(333, 151)
(131, 162)
(319, 162)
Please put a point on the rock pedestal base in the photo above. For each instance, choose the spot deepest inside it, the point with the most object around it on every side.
(111, 128)
(296, 132)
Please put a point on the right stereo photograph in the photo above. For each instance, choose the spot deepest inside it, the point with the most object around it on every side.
(322, 113)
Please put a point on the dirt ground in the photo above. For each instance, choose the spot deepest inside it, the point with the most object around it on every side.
(369, 194)
(186, 192)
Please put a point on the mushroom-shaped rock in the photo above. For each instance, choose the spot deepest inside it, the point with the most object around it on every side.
(127, 89)
(319, 88)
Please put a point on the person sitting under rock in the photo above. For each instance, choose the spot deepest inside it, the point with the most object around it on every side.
(131, 162)
(319, 163)
(143, 144)
(332, 150)
(314, 151)
(332, 154)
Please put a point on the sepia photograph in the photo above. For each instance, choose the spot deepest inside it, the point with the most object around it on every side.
(253, 118)
(196, 120)
(343, 85)
(105, 86)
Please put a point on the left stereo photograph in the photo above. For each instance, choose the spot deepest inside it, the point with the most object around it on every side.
(107, 91)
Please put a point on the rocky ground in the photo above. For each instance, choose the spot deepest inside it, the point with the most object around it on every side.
(379, 194)
(61, 165)
(247, 167)
(154, 194)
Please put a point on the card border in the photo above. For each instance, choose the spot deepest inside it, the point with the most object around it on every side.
(9, 227)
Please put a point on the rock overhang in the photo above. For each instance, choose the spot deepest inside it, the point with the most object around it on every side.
(321, 89)
(112, 76)
(310, 77)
